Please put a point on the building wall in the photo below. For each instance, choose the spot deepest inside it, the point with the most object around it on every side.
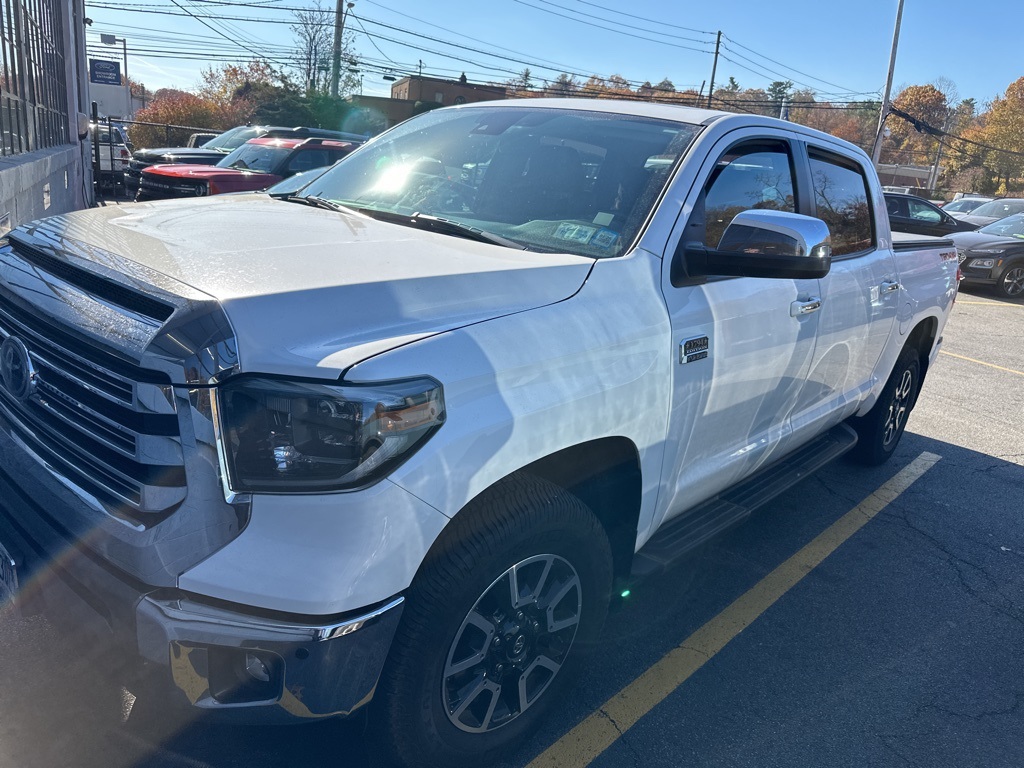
(41, 183)
(446, 92)
(42, 166)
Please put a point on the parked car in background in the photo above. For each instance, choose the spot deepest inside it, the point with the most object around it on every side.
(256, 165)
(214, 150)
(994, 210)
(908, 213)
(994, 256)
(200, 139)
(114, 153)
(964, 205)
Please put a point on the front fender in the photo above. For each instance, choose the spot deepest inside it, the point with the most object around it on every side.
(521, 387)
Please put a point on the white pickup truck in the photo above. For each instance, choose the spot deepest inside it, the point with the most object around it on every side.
(395, 439)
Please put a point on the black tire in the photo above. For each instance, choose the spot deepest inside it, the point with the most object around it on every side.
(1011, 283)
(458, 640)
(880, 429)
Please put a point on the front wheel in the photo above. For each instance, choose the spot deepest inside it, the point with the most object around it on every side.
(496, 623)
(880, 429)
(1011, 283)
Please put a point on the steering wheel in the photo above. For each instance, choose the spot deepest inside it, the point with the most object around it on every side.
(430, 192)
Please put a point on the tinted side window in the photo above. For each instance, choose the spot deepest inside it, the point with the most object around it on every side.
(753, 175)
(841, 199)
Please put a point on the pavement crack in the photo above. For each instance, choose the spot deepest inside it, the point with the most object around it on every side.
(964, 568)
(979, 716)
(623, 738)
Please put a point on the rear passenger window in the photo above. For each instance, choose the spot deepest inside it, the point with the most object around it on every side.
(753, 175)
(841, 200)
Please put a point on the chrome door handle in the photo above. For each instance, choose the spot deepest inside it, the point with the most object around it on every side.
(804, 307)
(890, 286)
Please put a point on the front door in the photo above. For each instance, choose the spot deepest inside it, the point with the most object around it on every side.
(742, 346)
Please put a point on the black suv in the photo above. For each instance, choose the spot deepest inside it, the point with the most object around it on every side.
(213, 151)
(909, 213)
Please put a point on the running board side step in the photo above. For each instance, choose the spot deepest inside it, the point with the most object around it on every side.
(698, 525)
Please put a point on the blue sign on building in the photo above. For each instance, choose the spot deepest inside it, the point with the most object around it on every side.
(105, 71)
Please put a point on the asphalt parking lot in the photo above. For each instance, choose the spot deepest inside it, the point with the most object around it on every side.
(866, 617)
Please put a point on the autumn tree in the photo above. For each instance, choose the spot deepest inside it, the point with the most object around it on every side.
(172, 107)
(564, 85)
(907, 145)
(1004, 129)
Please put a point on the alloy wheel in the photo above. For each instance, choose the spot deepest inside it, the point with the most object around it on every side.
(512, 643)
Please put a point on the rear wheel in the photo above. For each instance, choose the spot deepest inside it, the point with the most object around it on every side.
(1011, 283)
(879, 431)
(496, 624)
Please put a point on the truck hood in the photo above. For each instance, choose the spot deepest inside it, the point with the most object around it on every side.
(968, 241)
(199, 172)
(179, 155)
(310, 292)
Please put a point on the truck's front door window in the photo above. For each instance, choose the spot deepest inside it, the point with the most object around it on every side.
(841, 200)
(751, 175)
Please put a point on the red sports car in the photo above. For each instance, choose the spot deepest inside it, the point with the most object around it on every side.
(257, 164)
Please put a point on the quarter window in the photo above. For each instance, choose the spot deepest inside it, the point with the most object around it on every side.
(841, 200)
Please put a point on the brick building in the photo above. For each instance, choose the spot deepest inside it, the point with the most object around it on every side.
(446, 92)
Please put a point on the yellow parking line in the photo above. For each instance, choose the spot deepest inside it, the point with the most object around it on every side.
(601, 729)
(982, 362)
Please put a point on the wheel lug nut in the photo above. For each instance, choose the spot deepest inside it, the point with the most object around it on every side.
(519, 615)
(498, 669)
(497, 642)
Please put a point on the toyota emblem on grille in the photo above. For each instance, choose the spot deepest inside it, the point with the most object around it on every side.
(16, 372)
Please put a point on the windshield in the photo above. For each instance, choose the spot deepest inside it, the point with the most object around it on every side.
(262, 158)
(1011, 226)
(549, 179)
(999, 208)
(964, 205)
(234, 138)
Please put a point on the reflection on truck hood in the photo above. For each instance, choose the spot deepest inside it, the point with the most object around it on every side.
(310, 292)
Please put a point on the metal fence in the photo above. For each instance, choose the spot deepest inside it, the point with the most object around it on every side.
(33, 79)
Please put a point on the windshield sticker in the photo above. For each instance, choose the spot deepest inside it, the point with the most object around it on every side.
(604, 219)
(577, 233)
(605, 239)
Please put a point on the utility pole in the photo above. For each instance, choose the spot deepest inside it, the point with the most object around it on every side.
(340, 11)
(714, 67)
(876, 150)
(933, 177)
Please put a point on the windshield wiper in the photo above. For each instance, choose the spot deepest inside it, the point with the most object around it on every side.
(422, 220)
(442, 226)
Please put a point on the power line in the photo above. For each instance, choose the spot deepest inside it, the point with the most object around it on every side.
(610, 29)
(611, 21)
(792, 69)
(923, 127)
(659, 22)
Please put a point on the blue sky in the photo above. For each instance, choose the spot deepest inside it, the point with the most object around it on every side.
(839, 49)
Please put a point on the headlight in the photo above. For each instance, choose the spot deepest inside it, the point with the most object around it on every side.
(982, 263)
(988, 250)
(202, 189)
(289, 436)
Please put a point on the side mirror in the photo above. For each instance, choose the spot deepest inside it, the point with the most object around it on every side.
(765, 243)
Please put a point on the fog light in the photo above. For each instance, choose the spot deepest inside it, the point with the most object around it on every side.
(255, 667)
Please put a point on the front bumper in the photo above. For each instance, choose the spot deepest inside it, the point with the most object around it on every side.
(242, 665)
(252, 668)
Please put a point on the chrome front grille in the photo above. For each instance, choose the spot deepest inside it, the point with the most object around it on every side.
(101, 422)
